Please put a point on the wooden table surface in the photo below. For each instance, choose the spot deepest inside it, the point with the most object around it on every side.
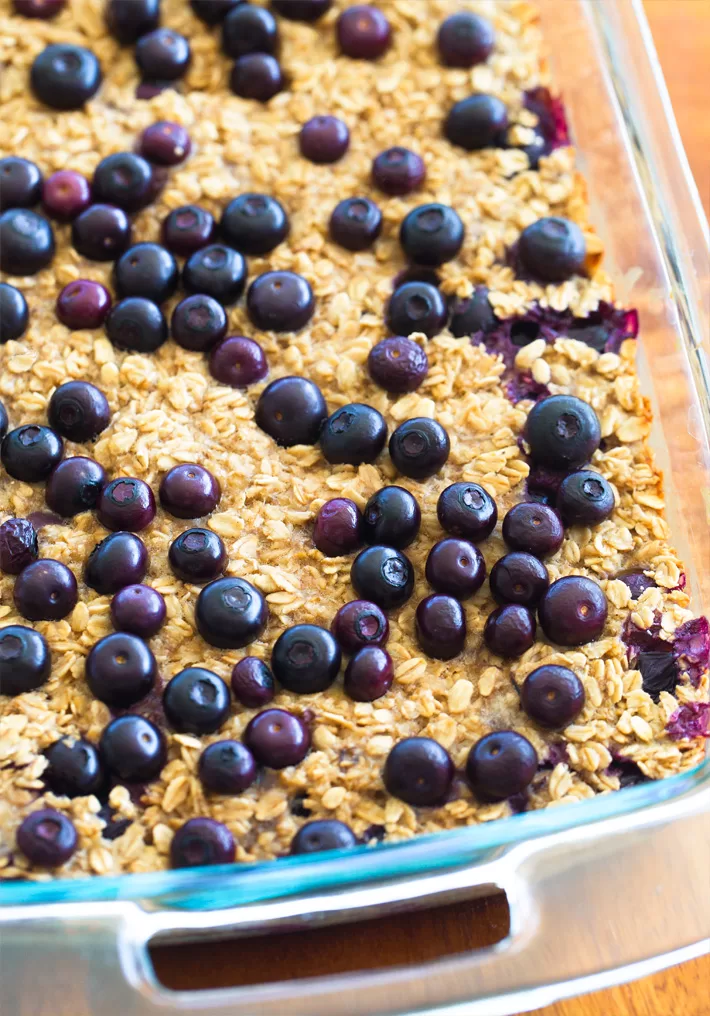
(681, 30)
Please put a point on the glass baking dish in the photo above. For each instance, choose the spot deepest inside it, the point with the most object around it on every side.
(600, 891)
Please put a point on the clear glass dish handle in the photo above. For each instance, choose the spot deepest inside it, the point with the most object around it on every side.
(590, 907)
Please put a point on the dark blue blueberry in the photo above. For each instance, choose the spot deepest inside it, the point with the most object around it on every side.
(480, 121)
(14, 315)
(202, 841)
(65, 76)
(74, 486)
(252, 682)
(254, 223)
(398, 364)
(249, 29)
(126, 503)
(147, 270)
(533, 528)
(25, 663)
(419, 448)
(419, 771)
(397, 171)
(128, 20)
(562, 432)
(637, 581)
(79, 411)
(277, 738)
(292, 411)
(338, 527)
(465, 39)
(519, 578)
(30, 453)
(45, 590)
(416, 307)
(305, 659)
(101, 233)
(230, 613)
(323, 834)
(127, 181)
(117, 561)
(138, 610)
(585, 498)
(553, 249)
(256, 76)
(355, 223)
(441, 626)
(510, 630)
(353, 434)
(456, 568)
(431, 234)
(43, 9)
(26, 242)
(302, 10)
(573, 611)
(133, 749)
(196, 701)
(227, 767)
(198, 323)
(20, 183)
(324, 139)
(552, 696)
(383, 575)
(163, 55)
(47, 838)
(74, 768)
(473, 314)
(120, 670)
(137, 324)
(213, 11)
(280, 302)
(500, 765)
(188, 229)
(18, 545)
(216, 270)
(197, 556)
(391, 517)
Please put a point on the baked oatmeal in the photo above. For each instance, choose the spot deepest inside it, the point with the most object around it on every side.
(311, 366)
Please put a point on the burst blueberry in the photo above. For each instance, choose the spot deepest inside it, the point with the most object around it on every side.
(18, 545)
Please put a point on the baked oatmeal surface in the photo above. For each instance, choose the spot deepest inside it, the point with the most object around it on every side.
(167, 409)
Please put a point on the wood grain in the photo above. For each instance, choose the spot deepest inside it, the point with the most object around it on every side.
(681, 30)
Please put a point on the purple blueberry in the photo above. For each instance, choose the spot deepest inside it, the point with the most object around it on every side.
(65, 76)
(397, 171)
(14, 314)
(353, 434)
(163, 55)
(431, 234)
(280, 302)
(189, 491)
(249, 29)
(45, 590)
(147, 270)
(196, 701)
(419, 448)
(83, 304)
(519, 578)
(480, 121)
(360, 624)
(197, 556)
(25, 662)
(79, 411)
(500, 765)
(238, 361)
(277, 738)
(226, 767)
(74, 768)
(305, 659)
(419, 771)
(188, 229)
(369, 674)
(256, 76)
(416, 307)
(26, 242)
(383, 575)
(552, 696)
(47, 838)
(573, 611)
(198, 323)
(230, 613)
(18, 545)
(391, 517)
(465, 39)
(585, 498)
(472, 315)
(533, 528)
(137, 324)
(126, 503)
(355, 223)
(510, 630)
(43, 9)
(292, 411)
(30, 453)
(138, 610)
(202, 841)
(216, 270)
(66, 194)
(553, 249)
(20, 183)
(118, 560)
(302, 10)
(323, 834)
(398, 364)
(128, 20)
(127, 181)
(165, 143)
(455, 567)
(101, 233)
(254, 223)
(363, 32)
(338, 527)
(637, 581)
(133, 749)
(75, 486)
(120, 670)
(441, 626)
(252, 682)
(324, 139)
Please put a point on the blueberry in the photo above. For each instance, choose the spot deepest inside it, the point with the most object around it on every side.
(277, 738)
(47, 838)
(83, 304)
(189, 491)
(65, 194)
(196, 701)
(202, 841)
(562, 432)
(659, 672)
(74, 768)
(238, 361)
(30, 453)
(20, 183)
(585, 498)
(305, 659)
(227, 767)
(213, 11)
(431, 234)
(416, 307)
(254, 223)
(383, 575)
(302, 10)
(65, 76)
(573, 611)
(74, 486)
(500, 765)
(138, 610)
(419, 448)
(552, 696)
(163, 55)
(126, 503)
(324, 139)
(198, 323)
(78, 411)
(509, 630)
(256, 76)
(534, 528)
(26, 242)
(392, 517)
(398, 364)
(3, 421)
(188, 229)
(363, 32)
(338, 527)
(360, 624)
(127, 181)
(465, 39)
(14, 315)
(197, 556)
(120, 670)
(18, 545)
(397, 171)
(441, 626)
(137, 324)
(147, 270)
(43, 9)
(292, 411)
(249, 29)
(252, 682)
(456, 568)
(637, 581)
(355, 223)
(101, 233)
(165, 143)
(323, 834)
(45, 590)
(369, 674)
(118, 560)
(419, 771)
(230, 613)
(128, 20)
(25, 663)
(353, 434)
(473, 314)
(216, 270)
(553, 249)
(280, 302)
(479, 121)
(519, 578)
(133, 749)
